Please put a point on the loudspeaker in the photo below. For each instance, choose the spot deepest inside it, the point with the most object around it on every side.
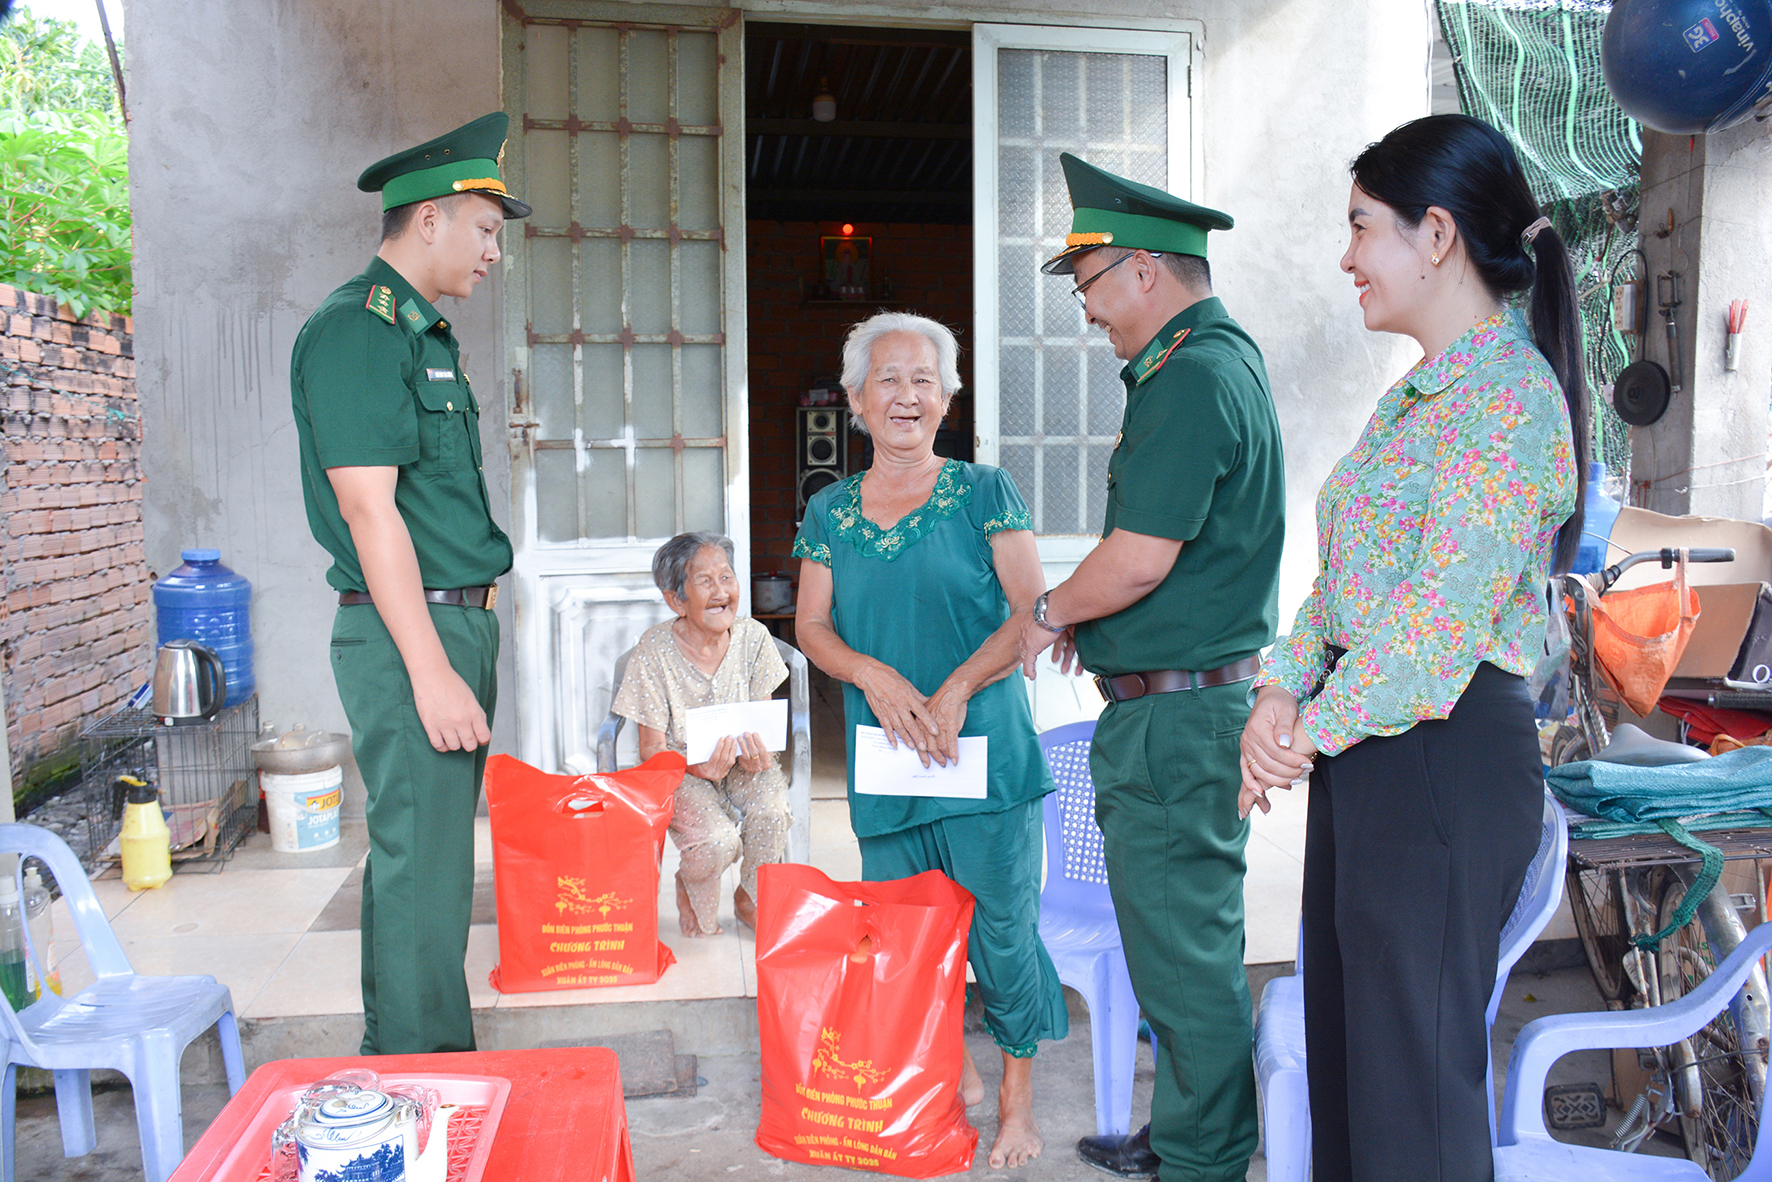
(821, 455)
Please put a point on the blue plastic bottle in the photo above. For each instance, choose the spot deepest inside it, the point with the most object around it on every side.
(1596, 526)
(206, 602)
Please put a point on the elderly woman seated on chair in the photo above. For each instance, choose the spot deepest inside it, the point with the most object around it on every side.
(734, 804)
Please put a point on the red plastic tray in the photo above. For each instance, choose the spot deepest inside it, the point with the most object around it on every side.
(480, 1097)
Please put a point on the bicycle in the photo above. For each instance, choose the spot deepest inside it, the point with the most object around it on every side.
(1624, 889)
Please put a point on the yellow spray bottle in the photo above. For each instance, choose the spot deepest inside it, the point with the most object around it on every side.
(146, 841)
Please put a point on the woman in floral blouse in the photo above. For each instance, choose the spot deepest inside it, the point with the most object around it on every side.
(918, 575)
(1401, 686)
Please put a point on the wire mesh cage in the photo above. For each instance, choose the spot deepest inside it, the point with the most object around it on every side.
(203, 772)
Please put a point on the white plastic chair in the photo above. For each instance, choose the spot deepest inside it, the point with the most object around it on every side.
(799, 744)
(137, 1025)
(1279, 1026)
(1526, 1152)
(1078, 926)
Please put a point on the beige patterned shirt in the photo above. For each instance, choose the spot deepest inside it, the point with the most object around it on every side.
(661, 685)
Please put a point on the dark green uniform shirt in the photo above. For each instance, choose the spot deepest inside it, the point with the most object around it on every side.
(377, 382)
(1198, 461)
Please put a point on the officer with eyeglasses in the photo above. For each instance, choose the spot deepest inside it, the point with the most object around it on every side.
(1171, 612)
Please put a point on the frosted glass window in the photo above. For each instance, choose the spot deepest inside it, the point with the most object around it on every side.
(624, 273)
(1059, 394)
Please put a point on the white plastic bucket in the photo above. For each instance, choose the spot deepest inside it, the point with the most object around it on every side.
(303, 809)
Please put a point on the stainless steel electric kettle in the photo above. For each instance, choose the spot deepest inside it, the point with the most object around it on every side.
(189, 684)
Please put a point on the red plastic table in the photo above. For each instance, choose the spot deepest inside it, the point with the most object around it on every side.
(564, 1117)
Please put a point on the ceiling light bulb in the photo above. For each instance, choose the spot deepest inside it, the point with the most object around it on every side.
(824, 103)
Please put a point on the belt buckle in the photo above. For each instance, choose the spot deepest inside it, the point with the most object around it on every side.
(491, 597)
(1101, 687)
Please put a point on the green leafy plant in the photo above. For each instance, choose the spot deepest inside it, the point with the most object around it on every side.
(45, 65)
(64, 169)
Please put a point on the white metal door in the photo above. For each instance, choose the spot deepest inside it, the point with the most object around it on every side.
(1048, 396)
(624, 318)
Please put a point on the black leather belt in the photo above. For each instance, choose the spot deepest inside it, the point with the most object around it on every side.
(1167, 681)
(486, 597)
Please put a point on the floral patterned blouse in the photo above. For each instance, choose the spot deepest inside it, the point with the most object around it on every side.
(1434, 537)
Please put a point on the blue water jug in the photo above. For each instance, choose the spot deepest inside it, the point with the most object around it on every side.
(205, 601)
(1596, 525)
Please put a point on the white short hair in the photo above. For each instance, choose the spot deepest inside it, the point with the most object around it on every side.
(858, 348)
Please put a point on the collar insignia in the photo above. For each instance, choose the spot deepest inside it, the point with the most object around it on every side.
(1150, 363)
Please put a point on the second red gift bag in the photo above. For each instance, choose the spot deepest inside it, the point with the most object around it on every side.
(860, 992)
(576, 862)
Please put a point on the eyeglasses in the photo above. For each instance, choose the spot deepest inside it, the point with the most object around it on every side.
(1081, 290)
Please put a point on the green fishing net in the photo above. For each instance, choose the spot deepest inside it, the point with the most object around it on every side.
(1532, 69)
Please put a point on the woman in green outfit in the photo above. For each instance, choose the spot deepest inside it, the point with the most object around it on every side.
(921, 571)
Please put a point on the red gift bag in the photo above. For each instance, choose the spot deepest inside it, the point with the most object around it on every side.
(575, 859)
(860, 988)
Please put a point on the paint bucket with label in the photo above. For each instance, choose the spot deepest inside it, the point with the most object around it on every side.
(304, 809)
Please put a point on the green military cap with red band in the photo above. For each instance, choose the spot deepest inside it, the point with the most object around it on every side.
(1109, 210)
(462, 161)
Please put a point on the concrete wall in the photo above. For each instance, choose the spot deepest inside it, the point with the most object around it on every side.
(250, 125)
(1707, 455)
(251, 122)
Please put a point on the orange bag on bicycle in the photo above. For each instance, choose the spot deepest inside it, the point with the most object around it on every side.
(1640, 635)
(860, 988)
(575, 861)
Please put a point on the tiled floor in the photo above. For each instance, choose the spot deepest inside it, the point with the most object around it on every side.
(280, 930)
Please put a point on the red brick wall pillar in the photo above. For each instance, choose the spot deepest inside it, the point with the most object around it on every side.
(75, 636)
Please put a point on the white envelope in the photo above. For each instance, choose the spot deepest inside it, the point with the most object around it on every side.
(707, 725)
(882, 770)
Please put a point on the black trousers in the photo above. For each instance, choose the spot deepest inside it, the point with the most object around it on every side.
(1415, 849)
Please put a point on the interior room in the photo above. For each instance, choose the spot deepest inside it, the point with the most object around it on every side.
(858, 156)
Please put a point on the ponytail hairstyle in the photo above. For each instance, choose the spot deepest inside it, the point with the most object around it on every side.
(1467, 168)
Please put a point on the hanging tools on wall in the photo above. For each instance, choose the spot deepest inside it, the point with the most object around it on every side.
(1640, 392)
(1667, 297)
(1732, 343)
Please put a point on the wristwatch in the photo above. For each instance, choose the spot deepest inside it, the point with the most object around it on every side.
(1040, 614)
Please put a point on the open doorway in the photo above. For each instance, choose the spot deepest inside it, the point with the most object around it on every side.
(858, 172)
(859, 198)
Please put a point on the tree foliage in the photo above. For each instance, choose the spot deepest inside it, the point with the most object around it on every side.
(64, 168)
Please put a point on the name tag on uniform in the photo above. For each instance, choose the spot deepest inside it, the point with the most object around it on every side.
(440, 375)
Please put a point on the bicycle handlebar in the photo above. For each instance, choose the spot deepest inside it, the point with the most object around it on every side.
(1666, 556)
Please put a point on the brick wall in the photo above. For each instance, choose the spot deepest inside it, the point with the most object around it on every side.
(74, 581)
(793, 341)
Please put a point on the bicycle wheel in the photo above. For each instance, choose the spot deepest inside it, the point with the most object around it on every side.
(1718, 1117)
(1596, 898)
(1567, 746)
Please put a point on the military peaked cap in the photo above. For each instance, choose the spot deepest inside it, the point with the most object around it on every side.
(462, 161)
(1109, 210)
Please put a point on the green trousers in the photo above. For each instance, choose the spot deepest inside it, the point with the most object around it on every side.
(418, 886)
(1165, 771)
(995, 856)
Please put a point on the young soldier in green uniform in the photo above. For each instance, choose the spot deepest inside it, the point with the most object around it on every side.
(1171, 612)
(390, 462)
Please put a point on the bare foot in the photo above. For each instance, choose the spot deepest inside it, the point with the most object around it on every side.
(686, 921)
(745, 908)
(971, 1083)
(1018, 1138)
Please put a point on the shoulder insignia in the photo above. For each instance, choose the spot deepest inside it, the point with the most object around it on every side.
(1151, 365)
(381, 302)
